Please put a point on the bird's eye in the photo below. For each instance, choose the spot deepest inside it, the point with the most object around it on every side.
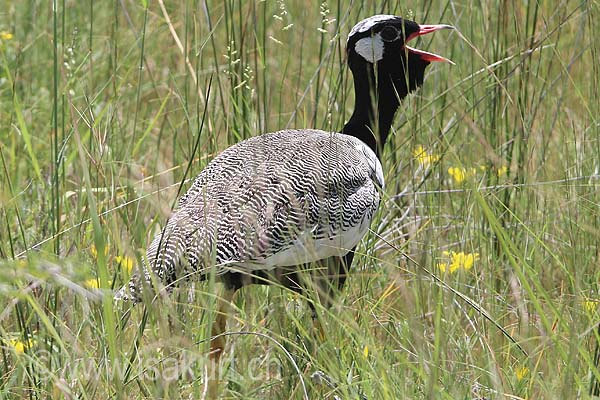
(389, 34)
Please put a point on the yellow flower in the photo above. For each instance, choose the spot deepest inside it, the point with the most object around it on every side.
(4, 35)
(590, 305)
(92, 283)
(366, 351)
(460, 260)
(521, 373)
(125, 262)
(423, 157)
(20, 346)
(503, 170)
(458, 174)
(94, 251)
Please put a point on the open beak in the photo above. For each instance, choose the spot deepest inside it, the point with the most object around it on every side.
(425, 55)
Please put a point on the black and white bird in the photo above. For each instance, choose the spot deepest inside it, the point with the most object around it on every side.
(274, 202)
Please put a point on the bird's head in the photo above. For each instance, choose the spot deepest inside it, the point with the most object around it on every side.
(381, 41)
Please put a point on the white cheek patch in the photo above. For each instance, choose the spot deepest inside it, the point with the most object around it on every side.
(370, 48)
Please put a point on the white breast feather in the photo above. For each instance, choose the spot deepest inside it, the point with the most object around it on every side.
(306, 250)
(374, 163)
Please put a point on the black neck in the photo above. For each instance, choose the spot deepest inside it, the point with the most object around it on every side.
(374, 110)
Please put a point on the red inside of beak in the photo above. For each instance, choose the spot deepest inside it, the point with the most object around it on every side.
(425, 55)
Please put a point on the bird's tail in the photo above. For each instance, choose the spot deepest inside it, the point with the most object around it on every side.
(158, 271)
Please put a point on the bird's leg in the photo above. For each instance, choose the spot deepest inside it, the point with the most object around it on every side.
(217, 342)
(333, 278)
(330, 279)
(343, 268)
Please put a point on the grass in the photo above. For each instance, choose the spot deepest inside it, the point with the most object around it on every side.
(480, 278)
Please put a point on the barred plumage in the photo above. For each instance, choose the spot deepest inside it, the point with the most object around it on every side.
(280, 199)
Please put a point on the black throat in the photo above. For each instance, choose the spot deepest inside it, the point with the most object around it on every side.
(377, 98)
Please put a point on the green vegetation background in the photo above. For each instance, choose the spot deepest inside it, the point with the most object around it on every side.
(480, 278)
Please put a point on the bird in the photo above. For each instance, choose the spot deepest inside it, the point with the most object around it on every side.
(266, 207)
